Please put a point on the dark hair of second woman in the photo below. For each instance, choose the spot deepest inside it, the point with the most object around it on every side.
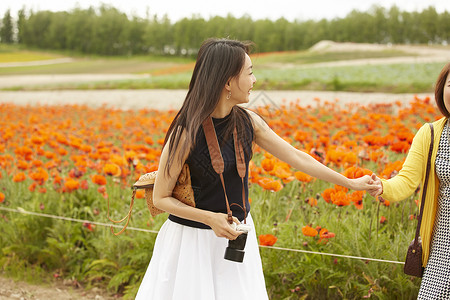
(218, 60)
(439, 90)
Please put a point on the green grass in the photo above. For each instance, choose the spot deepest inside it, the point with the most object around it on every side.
(274, 71)
(395, 78)
(308, 57)
(135, 65)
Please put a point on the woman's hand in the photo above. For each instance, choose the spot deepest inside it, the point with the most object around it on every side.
(377, 182)
(370, 183)
(219, 224)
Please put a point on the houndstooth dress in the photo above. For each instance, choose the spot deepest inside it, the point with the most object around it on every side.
(436, 279)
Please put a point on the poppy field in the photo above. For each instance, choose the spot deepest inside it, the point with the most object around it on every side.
(71, 160)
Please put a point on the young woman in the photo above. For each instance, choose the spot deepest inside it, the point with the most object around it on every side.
(435, 228)
(188, 258)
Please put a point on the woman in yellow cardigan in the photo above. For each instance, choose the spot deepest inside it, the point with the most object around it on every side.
(435, 228)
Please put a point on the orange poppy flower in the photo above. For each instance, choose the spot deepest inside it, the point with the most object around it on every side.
(400, 147)
(270, 184)
(268, 164)
(309, 231)
(325, 235)
(62, 151)
(112, 169)
(281, 171)
(51, 164)
(19, 177)
(57, 179)
(71, 184)
(32, 187)
(149, 140)
(301, 136)
(98, 179)
(118, 160)
(376, 155)
(357, 198)
(340, 188)
(302, 176)
(350, 158)
(311, 201)
(358, 204)
(2, 197)
(86, 148)
(140, 194)
(130, 156)
(356, 172)
(267, 240)
(22, 165)
(40, 176)
(340, 198)
(326, 194)
(36, 140)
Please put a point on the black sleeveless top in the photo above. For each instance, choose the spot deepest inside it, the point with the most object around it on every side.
(208, 190)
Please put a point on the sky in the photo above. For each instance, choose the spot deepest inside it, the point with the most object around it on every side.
(262, 9)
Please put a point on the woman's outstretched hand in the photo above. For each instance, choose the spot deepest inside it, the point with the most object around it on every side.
(376, 182)
(372, 184)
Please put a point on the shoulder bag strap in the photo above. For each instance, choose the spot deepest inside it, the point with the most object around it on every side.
(217, 160)
(425, 184)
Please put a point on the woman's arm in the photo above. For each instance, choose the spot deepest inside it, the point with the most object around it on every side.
(267, 139)
(162, 197)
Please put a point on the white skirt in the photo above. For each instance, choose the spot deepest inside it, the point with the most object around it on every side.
(188, 263)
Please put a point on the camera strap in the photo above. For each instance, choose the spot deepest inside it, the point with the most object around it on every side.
(219, 165)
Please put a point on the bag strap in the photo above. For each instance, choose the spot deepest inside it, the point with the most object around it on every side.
(127, 217)
(416, 238)
(218, 164)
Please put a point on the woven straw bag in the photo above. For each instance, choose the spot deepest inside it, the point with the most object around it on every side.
(182, 191)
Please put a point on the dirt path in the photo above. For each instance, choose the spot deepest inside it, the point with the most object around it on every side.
(20, 290)
(172, 99)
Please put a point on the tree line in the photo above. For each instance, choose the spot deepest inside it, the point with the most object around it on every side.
(107, 31)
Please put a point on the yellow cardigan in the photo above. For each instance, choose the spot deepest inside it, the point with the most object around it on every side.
(412, 174)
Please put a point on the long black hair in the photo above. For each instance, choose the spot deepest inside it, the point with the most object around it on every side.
(218, 60)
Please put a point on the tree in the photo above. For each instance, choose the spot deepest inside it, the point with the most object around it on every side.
(6, 32)
(20, 24)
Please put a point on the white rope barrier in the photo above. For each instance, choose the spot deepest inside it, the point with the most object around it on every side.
(334, 254)
(23, 211)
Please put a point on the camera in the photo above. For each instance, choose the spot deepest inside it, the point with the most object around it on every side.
(235, 250)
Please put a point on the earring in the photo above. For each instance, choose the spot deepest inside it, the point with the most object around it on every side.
(229, 95)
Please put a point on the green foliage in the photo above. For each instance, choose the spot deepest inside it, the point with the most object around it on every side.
(395, 78)
(107, 31)
(40, 248)
(358, 233)
(6, 28)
